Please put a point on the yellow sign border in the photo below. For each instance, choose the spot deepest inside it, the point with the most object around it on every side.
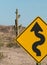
(23, 32)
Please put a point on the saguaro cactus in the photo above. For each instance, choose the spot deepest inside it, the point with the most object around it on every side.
(16, 24)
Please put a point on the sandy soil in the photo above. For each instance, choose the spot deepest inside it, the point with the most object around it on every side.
(17, 56)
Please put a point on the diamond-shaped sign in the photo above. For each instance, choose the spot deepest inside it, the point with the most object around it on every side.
(34, 39)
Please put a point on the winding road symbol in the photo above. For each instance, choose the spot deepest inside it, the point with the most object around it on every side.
(36, 30)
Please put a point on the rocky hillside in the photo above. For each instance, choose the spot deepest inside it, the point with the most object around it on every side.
(7, 33)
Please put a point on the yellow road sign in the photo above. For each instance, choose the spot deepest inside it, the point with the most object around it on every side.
(34, 39)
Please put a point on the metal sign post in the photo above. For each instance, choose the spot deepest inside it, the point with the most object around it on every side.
(38, 63)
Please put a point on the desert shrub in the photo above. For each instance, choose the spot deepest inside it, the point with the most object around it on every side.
(1, 44)
(9, 45)
(1, 55)
(12, 45)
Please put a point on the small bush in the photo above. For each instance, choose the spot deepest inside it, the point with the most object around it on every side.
(10, 45)
(1, 55)
(1, 44)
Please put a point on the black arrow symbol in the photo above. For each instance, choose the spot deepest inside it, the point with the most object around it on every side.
(36, 30)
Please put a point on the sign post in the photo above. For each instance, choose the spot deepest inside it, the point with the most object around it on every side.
(38, 63)
(33, 40)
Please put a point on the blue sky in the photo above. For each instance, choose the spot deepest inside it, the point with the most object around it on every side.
(28, 9)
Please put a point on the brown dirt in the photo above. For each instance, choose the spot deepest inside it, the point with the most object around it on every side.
(17, 56)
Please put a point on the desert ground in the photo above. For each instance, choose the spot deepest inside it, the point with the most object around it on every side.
(17, 56)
